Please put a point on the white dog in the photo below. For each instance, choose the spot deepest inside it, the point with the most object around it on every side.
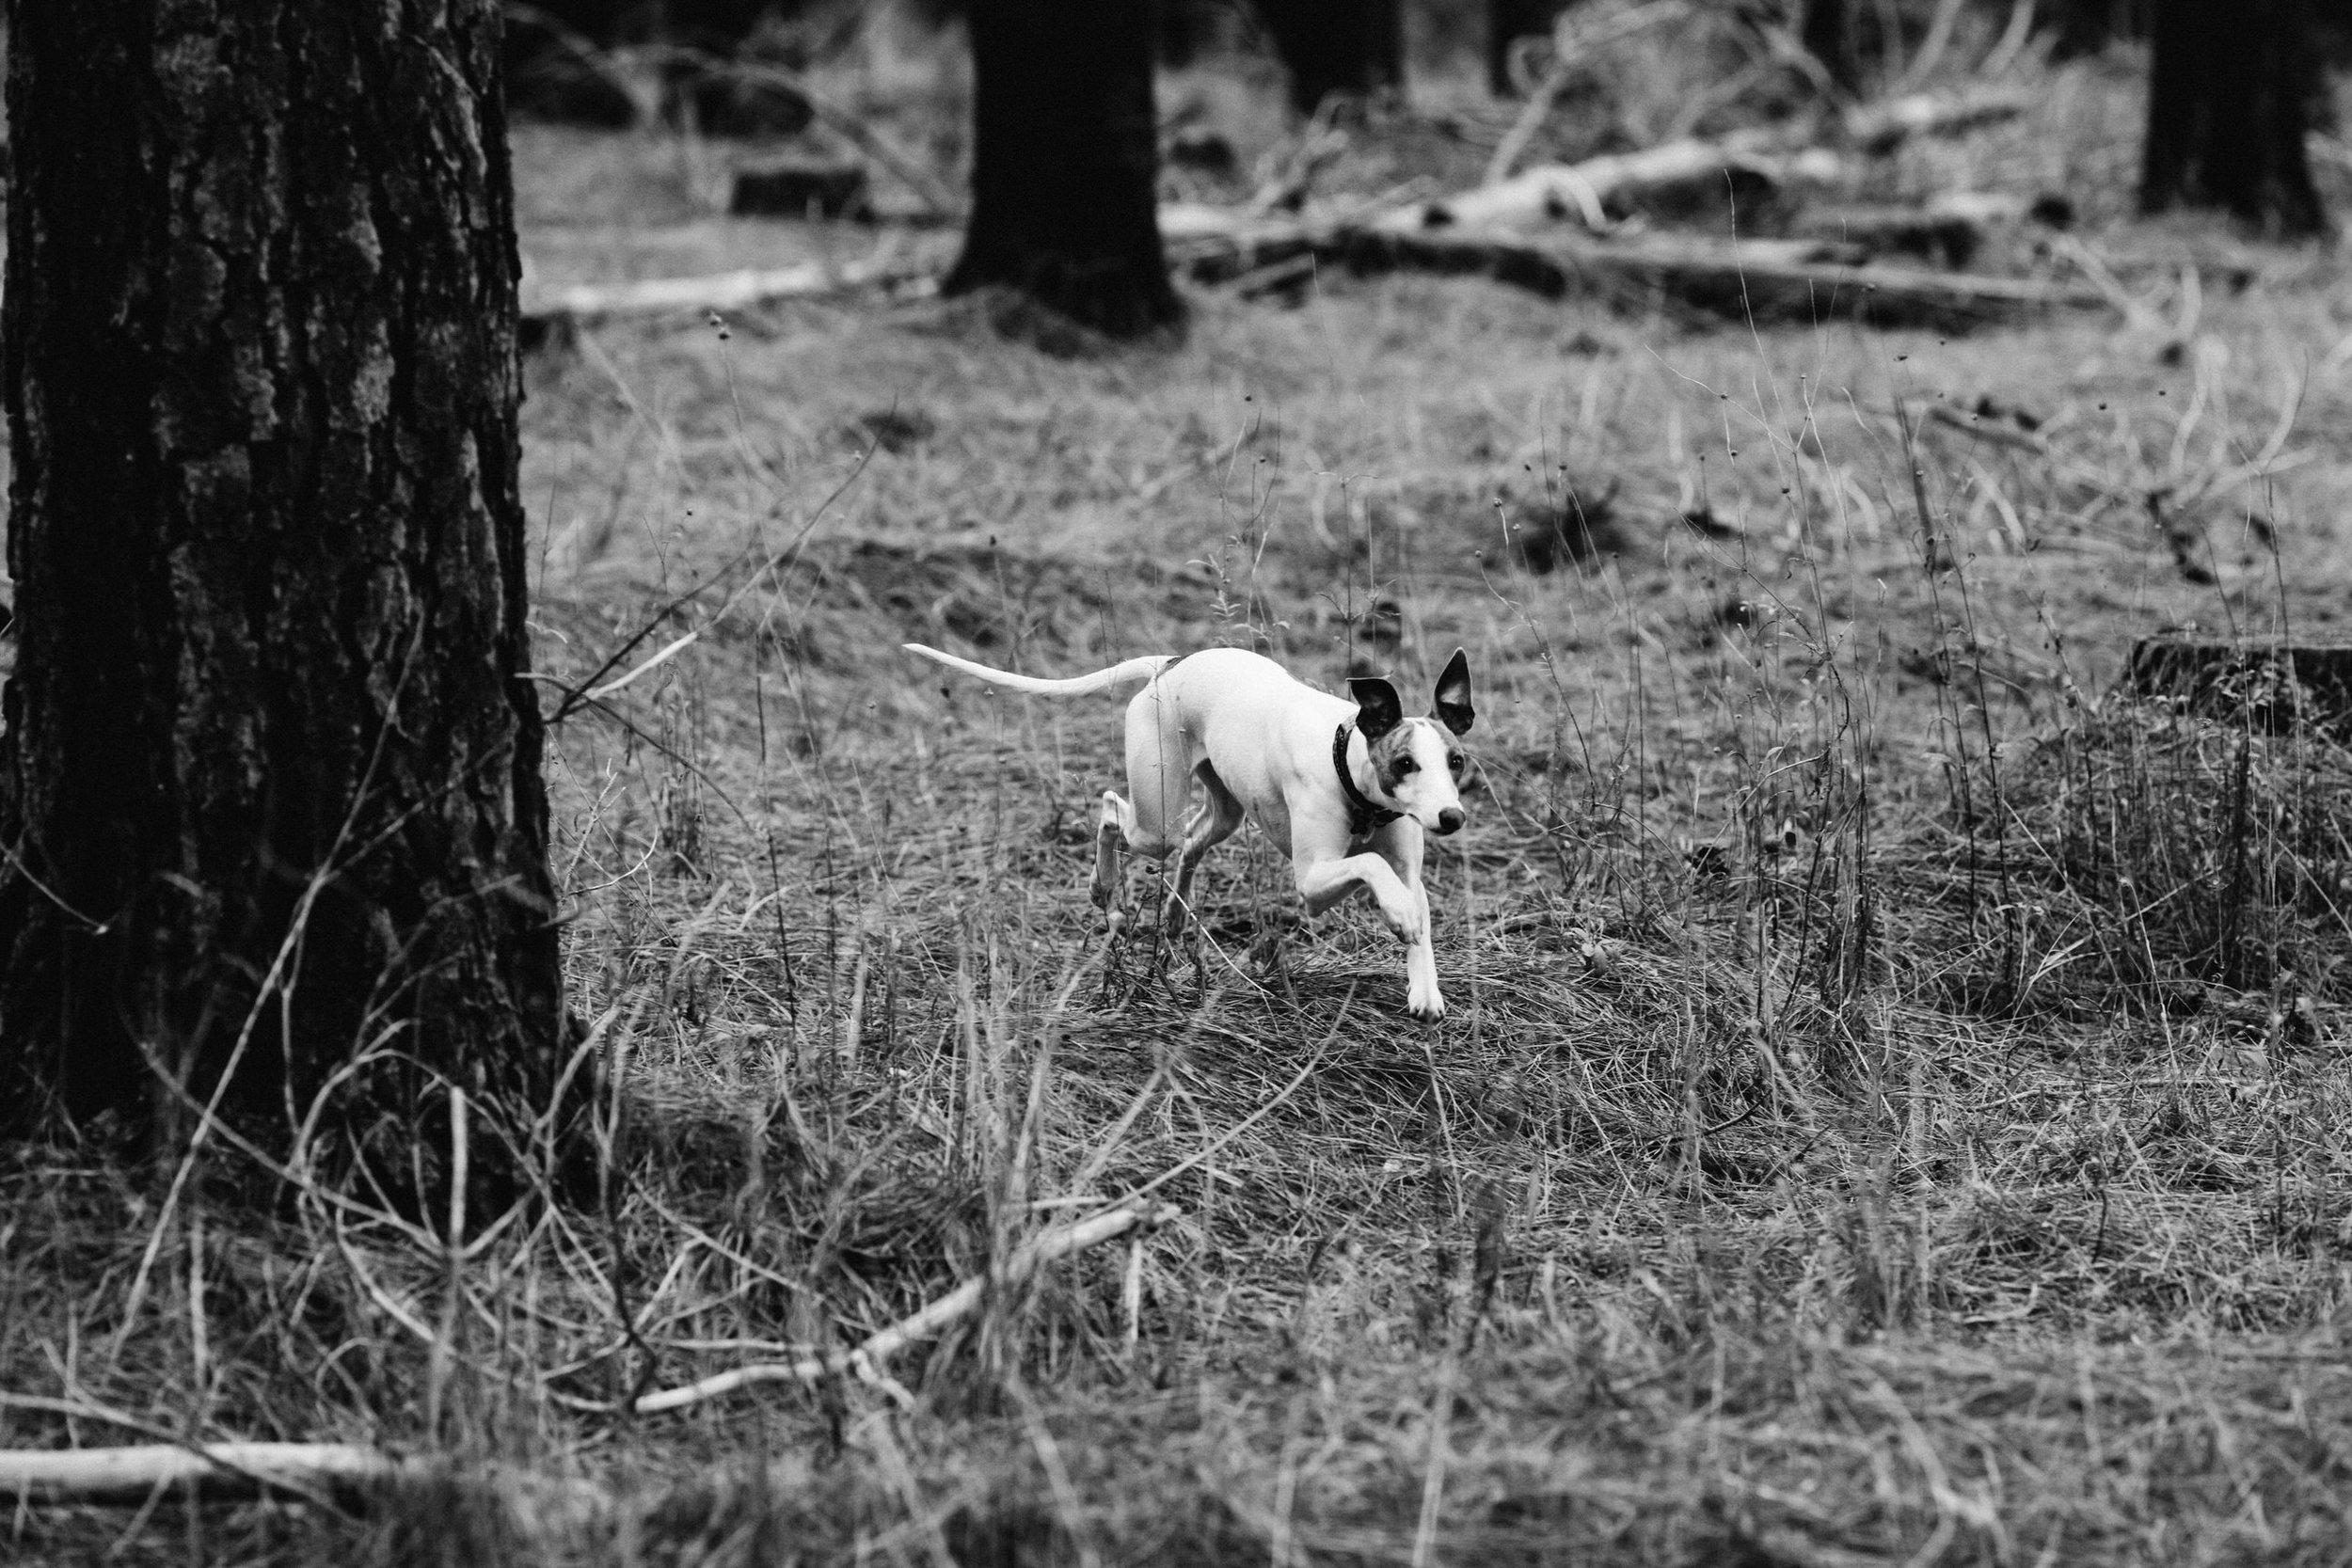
(1346, 791)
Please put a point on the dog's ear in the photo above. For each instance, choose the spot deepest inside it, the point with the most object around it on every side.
(1454, 701)
(1378, 710)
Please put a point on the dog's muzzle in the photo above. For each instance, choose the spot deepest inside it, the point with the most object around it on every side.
(1450, 820)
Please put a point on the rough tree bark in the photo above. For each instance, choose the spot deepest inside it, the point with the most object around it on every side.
(1065, 163)
(1353, 48)
(270, 782)
(2229, 101)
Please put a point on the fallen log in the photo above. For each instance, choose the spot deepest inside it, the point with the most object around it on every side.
(216, 1472)
(1759, 160)
(1599, 190)
(1881, 127)
(1219, 244)
(2274, 686)
(1948, 231)
(1946, 237)
(799, 188)
(726, 291)
(1193, 223)
(546, 311)
(1789, 280)
(1774, 279)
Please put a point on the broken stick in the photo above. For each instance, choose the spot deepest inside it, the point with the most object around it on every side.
(215, 1472)
(1025, 1260)
(1551, 192)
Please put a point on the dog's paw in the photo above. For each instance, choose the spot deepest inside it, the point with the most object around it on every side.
(1425, 1006)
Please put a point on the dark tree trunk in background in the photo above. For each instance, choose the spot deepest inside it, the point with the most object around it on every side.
(1354, 48)
(1179, 27)
(262, 385)
(2088, 27)
(1507, 22)
(1065, 164)
(2229, 101)
(1832, 34)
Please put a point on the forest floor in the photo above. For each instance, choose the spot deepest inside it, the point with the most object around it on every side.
(1893, 1106)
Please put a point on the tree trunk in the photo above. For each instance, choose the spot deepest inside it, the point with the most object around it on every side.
(1065, 165)
(2088, 27)
(1507, 22)
(271, 770)
(2229, 101)
(1178, 26)
(1353, 48)
(1831, 33)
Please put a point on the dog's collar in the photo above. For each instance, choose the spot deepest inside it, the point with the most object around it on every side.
(1364, 813)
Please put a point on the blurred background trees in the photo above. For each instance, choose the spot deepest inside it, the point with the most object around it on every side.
(1065, 142)
(2230, 100)
(1065, 159)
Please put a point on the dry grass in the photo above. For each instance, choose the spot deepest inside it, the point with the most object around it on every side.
(1892, 1108)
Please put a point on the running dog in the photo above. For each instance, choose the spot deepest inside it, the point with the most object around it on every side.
(1345, 790)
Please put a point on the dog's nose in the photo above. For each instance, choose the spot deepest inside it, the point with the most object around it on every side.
(1450, 820)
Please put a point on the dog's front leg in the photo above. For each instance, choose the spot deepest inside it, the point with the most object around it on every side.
(1399, 845)
(1324, 882)
(1405, 909)
(1421, 997)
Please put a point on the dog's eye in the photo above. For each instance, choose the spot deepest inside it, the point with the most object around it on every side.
(1454, 762)
(1404, 765)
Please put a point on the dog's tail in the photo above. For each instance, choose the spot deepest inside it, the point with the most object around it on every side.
(1134, 669)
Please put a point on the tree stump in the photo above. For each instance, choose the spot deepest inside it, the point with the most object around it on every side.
(803, 187)
(2278, 688)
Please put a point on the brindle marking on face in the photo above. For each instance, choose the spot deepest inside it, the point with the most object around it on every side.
(1392, 758)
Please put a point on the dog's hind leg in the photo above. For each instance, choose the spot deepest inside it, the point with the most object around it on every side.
(1218, 818)
(1115, 826)
(1140, 824)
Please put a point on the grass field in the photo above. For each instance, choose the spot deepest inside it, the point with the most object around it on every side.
(1892, 1106)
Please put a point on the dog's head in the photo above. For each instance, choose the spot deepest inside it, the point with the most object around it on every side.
(1416, 762)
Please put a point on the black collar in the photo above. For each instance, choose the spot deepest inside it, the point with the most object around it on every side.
(1363, 813)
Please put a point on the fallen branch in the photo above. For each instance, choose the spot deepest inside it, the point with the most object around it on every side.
(1882, 126)
(1949, 230)
(1585, 190)
(726, 291)
(1785, 280)
(216, 1471)
(1184, 224)
(1576, 39)
(1027, 1259)
(1762, 158)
